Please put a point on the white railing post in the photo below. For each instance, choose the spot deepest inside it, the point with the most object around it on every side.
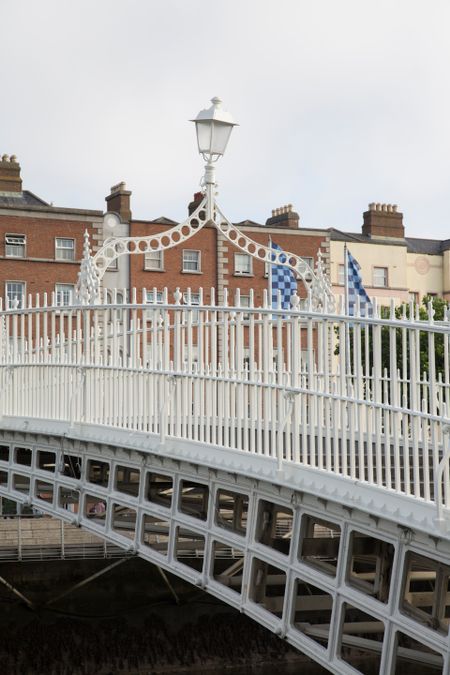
(166, 399)
(81, 371)
(289, 396)
(440, 521)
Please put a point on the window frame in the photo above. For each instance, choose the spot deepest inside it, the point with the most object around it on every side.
(195, 301)
(15, 235)
(149, 299)
(386, 276)
(64, 248)
(184, 261)
(13, 281)
(71, 297)
(160, 268)
(241, 272)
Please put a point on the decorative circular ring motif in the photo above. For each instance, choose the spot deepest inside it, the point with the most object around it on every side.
(422, 265)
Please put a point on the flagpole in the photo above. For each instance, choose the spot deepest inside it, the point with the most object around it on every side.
(269, 274)
(345, 279)
(347, 309)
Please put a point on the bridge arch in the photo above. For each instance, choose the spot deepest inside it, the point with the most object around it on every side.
(290, 559)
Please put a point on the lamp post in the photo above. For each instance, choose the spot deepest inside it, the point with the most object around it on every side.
(213, 127)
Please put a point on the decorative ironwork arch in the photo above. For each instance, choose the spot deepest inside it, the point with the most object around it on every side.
(94, 267)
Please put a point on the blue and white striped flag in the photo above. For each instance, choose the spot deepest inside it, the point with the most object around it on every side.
(355, 288)
(282, 279)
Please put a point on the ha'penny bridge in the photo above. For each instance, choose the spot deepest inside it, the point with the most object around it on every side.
(233, 447)
(291, 461)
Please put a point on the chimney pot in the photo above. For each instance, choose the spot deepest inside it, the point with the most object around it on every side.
(284, 216)
(10, 180)
(118, 201)
(195, 203)
(383, 220)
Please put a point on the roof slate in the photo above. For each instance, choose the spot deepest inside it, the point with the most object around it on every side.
(413, 244)
(24, 198)
(427, 246)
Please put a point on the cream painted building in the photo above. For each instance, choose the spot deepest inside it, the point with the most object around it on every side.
(392, 265)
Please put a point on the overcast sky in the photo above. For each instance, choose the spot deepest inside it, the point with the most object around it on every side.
(340, 103)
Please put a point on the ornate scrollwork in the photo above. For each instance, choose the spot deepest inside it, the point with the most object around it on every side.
(114, 247)
(315, 282)
(93, 268)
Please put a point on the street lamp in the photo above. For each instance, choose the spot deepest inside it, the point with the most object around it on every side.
(213, 126)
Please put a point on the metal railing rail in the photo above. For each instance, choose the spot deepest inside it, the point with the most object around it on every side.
(363, 397)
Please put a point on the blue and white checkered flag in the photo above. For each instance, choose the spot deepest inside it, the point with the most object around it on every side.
(282, 279)
(355, 288)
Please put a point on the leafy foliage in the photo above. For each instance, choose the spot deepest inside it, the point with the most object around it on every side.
(438, 306)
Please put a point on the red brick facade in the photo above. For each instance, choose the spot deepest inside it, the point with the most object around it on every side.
(217, 258)
(172, 275)
(29, 256)
(40, 269)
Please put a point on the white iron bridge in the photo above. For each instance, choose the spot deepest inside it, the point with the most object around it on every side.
(293, 463)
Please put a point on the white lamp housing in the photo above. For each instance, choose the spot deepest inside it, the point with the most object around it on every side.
(213, 127)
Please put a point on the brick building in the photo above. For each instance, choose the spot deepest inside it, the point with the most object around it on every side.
(40, 245)
(208, 259)
(392, 265)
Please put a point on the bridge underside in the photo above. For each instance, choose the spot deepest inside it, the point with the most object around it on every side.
(351, 589)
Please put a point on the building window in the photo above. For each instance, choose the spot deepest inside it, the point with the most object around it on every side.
(195, 300)
(64, 294)
(414, 297)
(64, 249)
(242, 264)
(341, 275)
(15, 245)
(380, 277)
(15, 291)
(154, 261)
(245, 302)
(152, 299)
(309, 261)
(191, 261)
(113, 265)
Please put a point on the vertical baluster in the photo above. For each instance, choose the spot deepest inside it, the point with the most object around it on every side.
(253, 395)
(377, 394)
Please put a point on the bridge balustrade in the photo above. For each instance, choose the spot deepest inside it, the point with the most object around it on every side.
(362, 397)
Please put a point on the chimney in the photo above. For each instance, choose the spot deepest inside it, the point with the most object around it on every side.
(383, 220)
(195, 203)
(10, 180)
(284, 217)
(119, 201)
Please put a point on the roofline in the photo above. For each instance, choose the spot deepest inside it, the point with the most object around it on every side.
(242, 225)
(51, 209)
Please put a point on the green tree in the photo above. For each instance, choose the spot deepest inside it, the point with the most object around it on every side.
(438, 306)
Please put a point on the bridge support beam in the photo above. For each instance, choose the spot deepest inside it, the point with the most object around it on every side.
(82, 583)
(20, 595)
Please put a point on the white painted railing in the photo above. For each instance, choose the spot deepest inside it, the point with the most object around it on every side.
(361, 397)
